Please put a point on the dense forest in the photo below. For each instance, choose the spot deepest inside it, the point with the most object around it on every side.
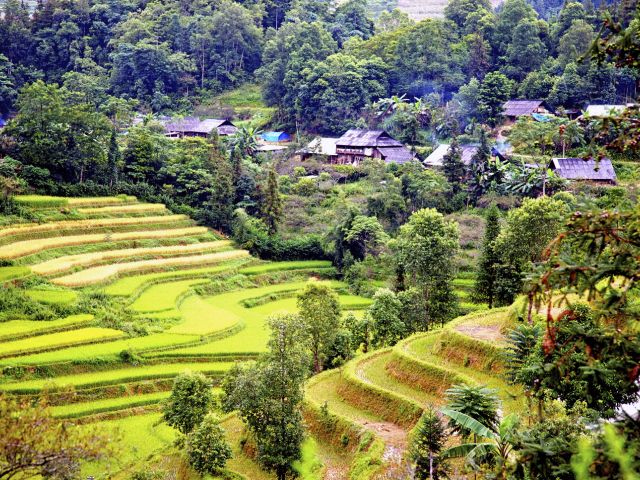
(408, 249)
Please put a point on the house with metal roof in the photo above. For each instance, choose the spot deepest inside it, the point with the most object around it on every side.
(437, 156)
(604, 111)
(324, 147)
(579, 169)
(513, 109)
(357, 145)
(194, 127)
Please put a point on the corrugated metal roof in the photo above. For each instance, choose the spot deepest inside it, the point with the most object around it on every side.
(604, 110)
(437, 156)
(580, 169)
(517, 108)
(396, 154)
(367, 138)
(321, 146)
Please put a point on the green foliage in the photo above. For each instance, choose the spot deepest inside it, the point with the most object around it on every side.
(425, 248)
(268, 395)
(206, 446)
(191, 398)
(429, 439)
(477, 402)
(319, 311)
(386, 325)
(485, 288)
(272, 207)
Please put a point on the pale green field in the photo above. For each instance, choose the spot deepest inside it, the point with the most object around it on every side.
(121, 375)
(57, 340)
(163, 296)
(33, 327)
(104, 351)
(60, 297)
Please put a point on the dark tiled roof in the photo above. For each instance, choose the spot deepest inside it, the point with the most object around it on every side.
(580, 169)
(517, 108)
(367, 138)
(396, 154)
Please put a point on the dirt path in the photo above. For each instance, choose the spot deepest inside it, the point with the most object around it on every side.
(488, 333)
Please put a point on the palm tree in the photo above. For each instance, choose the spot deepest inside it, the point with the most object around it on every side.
(245, 140)
(477, 401)
(495, 443)
(385, 106)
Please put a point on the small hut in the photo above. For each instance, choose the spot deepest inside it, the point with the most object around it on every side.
(579, 169)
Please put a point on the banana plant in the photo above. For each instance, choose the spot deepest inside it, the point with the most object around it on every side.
(494, 443)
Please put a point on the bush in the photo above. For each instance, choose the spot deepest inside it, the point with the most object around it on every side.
(207, 448)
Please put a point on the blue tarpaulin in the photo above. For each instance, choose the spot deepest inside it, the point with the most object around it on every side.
(541, 117)
(276, 137)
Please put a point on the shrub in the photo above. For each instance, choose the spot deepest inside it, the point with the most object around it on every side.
(207, 448)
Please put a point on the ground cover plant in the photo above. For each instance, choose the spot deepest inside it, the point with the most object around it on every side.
(52, 296)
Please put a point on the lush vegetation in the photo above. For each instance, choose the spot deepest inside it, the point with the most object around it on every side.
(218, 306)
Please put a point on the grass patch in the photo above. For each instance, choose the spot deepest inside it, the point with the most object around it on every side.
(240, 463)
(68, 262)
(75, 410)
(309, 467)
(55, 297)
(28, 247)
(105, 351)
(58, 340)
(122, 375)
(104, 273)
(19, 328)
(12, 273)
(163, 296)
(284, 266)
(135, 439)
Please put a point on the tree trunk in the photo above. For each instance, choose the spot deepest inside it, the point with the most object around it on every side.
(530, 312)
(317, 368)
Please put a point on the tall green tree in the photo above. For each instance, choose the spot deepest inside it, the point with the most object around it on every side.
(269, 395)
(429, 439)
(220, 205)
(426, 247)
(494, 90)
(476, 401)
(453, 166)
(386, 325)
(484, 288)
(319, 310)
(190, 400)
(272, 206)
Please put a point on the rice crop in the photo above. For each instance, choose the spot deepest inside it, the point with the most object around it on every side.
(103, 273)
(129, 285)
(284, 266)
(58, 340)
(27, 247)
(75, 410)
(123, 209)
(79, 201)
(16, 328)
(56, 297)
(104, 351)
(68, 262)
(121, 375)
(67, 225)
(163, 296)
(201, 317)
(41, 201)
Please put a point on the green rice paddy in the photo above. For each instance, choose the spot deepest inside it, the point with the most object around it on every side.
(163, 296)
(14, 328)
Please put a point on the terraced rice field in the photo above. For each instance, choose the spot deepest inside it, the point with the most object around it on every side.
(178, 311)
